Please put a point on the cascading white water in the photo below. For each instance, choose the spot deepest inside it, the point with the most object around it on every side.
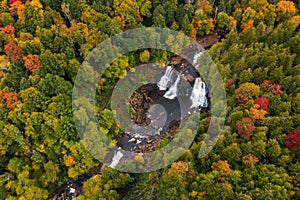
(198, 96)
(172, 92)
(165, 80)
(116, 159)
(195, 59)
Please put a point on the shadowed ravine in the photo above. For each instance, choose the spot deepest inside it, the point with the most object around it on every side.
(178, 93)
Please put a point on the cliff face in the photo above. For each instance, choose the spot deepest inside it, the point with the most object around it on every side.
(208, 40)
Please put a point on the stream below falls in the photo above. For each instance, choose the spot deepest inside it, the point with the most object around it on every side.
(178, 93)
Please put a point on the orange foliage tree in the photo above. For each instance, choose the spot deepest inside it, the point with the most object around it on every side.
(285, 9)
(122, 20)
(32, 62)
(70, 161)
(295, 20)
(250, 160)
(9, 31)
(248, 25)
(257, 113)
(11, 99)
(14, 6)
(223, 167)
(194, 34)
(197, 24)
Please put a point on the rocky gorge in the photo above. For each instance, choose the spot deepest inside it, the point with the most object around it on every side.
(157, 109)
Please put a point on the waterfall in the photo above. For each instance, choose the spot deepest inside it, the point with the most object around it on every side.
(165, 80)
(172, 92)
(116, 159)
(198, 96)
(195, 59)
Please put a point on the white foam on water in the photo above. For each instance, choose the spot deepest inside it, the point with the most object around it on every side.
(116, 159)
(195, 59)
(198, 96)
(172, 92)
(166, 78)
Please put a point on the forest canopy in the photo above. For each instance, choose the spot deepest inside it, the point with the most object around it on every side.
(42, 46)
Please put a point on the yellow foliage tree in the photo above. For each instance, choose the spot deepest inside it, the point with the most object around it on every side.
(139, 159)
(246, 92)
(36, 4)
(21, 13)
(145, 56)
(179, 168)
(204, 5)
(231, 23)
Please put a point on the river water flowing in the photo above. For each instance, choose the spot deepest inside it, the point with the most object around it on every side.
(178, 93)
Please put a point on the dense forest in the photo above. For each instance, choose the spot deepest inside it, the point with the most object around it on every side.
(42, 46)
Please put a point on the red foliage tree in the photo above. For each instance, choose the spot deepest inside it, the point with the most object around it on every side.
(277, 89)
(292, 140)
(32, 62)
(267, 84)
(13, 1)
(13, 51)
(229, 83)
(263, 102)
(245, 127)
